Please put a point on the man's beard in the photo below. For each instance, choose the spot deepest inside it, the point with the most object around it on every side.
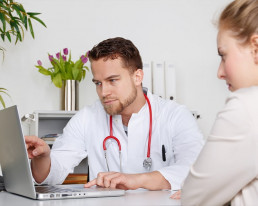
(117, 109)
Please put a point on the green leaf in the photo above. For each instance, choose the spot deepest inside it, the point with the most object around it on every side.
(8, 36)
(75, 73)
(62, 65)
(39, 20)
(16, 40)
(2, 18)
(70, 56)
(56, 65)
(14, 24)
(83, 74)
(3, 90)
(86, 68)
(76, 70)
(33, 13)
(31, 28)
(69, 71)
(2, 36)
(25, 22)
(44, 71)
(6, 8)
(19, 36)
(57, 80)
(20, 7)
(17, 9)
(79, 77)
(2, 101)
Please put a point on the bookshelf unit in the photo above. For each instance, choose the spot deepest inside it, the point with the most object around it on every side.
(49, 122)
(43, 123)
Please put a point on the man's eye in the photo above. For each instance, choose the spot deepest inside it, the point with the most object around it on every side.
(112, 80)
(98, 83)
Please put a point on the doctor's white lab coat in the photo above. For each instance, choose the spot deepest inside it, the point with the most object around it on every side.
(173, 126)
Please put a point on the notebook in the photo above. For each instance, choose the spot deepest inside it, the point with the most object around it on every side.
(16, 169)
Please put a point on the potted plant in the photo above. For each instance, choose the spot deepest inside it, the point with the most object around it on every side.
(14, 20)
(66, 74)
(63, 68)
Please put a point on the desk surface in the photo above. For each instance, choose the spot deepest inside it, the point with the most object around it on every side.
(136, 197)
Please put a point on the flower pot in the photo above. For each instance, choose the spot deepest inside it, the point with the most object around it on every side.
(70, 95)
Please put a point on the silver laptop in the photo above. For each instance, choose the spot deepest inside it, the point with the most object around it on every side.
(16, 169)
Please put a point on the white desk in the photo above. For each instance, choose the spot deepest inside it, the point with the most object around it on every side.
(137, 197)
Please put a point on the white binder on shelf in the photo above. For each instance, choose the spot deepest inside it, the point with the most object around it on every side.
(147, 78)
(170, 81)
(158, 72)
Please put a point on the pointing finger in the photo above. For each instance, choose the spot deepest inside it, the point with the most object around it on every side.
(91, 183)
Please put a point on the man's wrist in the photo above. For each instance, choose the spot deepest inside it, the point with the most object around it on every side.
(154, 181)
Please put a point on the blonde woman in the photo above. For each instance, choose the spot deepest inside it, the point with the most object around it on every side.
(226, 170)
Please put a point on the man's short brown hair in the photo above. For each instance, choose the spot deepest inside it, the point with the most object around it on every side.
(118, 47)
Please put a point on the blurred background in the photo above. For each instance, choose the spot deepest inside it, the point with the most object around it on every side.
(181, 32)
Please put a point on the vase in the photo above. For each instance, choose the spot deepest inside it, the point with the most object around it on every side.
(70, 95)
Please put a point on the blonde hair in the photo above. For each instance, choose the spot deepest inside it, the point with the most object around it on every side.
(241, 17)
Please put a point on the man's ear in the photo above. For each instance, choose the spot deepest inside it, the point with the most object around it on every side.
(254, 46)
(138, 77)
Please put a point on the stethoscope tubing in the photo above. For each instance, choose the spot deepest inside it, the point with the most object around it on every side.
(118, 142)
(150, 126)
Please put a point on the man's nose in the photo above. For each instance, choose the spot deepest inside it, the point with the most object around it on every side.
(105, 90)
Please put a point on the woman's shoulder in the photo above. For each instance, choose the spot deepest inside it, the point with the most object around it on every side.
(247, 95)
(245, 99)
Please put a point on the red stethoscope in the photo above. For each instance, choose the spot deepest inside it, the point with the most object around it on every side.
(147, 162)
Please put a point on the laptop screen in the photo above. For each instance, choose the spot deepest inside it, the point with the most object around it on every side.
(13, 155)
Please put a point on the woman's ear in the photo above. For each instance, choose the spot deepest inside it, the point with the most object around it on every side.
(254, 46)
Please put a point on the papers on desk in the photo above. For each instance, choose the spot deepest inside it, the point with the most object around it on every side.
(160, 79)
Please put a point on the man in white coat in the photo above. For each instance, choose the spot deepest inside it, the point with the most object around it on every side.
(159, 138)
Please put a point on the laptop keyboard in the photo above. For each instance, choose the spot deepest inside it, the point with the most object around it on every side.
(52, 189)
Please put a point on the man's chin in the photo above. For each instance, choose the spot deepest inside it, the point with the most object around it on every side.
(111, 111)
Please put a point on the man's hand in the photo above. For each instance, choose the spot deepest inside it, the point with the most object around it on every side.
(116, 180)
(39, 153)
(152, 181)
(36, 147)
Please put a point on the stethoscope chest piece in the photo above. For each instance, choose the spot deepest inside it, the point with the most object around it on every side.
(147, 163)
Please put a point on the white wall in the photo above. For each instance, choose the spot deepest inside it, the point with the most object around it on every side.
(178, 31)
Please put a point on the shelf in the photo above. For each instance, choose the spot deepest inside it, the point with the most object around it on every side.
(76, 179)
